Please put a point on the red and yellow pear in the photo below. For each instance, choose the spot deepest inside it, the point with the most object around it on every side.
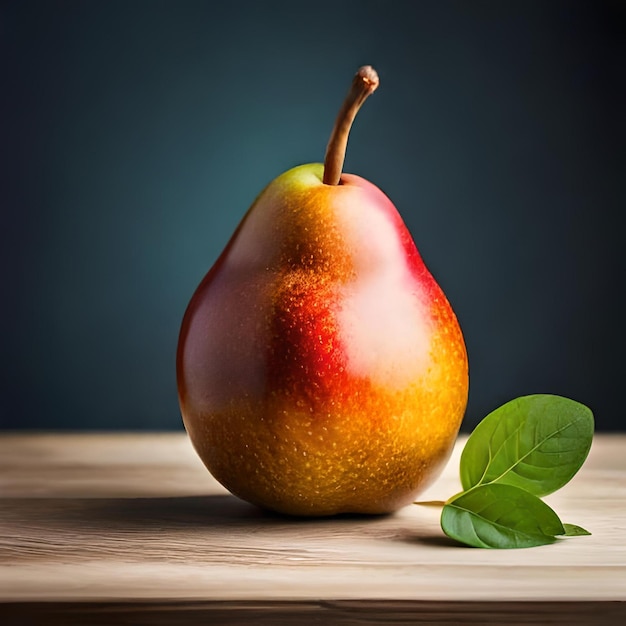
(320, 367)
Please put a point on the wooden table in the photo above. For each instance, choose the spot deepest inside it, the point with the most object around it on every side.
(130, 528)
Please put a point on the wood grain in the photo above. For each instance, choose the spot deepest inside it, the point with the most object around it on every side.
(121, 527)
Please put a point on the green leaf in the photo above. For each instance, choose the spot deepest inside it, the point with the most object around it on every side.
(571, 530)
(535, 442)
(500, 516)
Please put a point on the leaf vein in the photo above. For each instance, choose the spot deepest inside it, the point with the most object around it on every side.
(522, 458)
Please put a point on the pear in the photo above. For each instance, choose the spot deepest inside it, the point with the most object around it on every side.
(320, 368)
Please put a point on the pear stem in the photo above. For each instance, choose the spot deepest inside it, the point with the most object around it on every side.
(364, 84)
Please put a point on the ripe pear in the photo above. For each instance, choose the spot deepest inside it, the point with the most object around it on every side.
(320, 367)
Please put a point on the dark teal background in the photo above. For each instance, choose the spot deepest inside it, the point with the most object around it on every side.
(135, 134)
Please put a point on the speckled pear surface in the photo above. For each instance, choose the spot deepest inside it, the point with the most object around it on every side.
(320, 367)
